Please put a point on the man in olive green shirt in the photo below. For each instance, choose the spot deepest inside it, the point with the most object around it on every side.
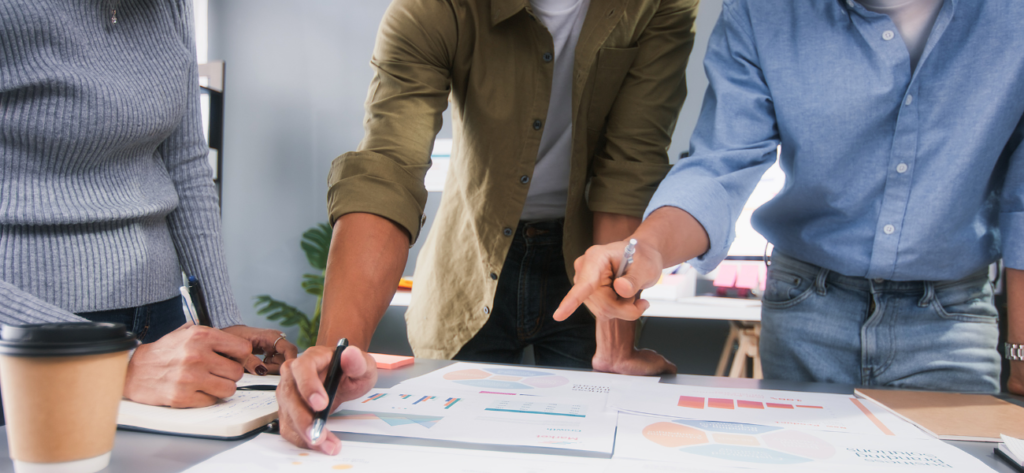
(492, 60)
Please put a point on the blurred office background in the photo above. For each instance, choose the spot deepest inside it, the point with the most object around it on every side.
(296, 79)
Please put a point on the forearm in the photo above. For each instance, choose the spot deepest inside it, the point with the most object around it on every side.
(615, 337)
(1015, 305)
(366, 260)
(674, 234)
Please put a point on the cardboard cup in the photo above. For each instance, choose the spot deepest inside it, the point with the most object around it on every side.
(62, 410)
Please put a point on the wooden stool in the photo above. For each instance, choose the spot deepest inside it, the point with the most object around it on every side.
(746, 336)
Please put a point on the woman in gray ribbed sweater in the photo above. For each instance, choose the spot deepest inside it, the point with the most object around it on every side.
(106, 194)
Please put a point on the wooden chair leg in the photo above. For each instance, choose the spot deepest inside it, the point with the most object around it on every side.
(739, 362)
(730, 340)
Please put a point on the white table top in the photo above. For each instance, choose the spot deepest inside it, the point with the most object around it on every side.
(701, 307)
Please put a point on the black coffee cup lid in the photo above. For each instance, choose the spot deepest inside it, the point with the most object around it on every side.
(65, 339)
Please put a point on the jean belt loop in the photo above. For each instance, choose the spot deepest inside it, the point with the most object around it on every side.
(819, 282)
(929, 294)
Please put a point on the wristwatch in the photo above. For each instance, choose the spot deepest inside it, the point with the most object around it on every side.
(1014, 352)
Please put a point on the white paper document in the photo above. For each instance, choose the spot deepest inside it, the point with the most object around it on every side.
(728, 445)
(790, 409)
(271, 453)
(526, 380)
(573, 423)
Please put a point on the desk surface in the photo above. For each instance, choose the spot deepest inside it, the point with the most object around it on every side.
(707, 308)
(152, 453)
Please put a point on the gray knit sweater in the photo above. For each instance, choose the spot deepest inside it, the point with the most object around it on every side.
(105, 190)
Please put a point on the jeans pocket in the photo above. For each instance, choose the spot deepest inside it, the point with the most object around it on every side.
(967, 302)
(785, 289)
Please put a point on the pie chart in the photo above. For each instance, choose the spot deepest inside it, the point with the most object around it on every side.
(748, 443)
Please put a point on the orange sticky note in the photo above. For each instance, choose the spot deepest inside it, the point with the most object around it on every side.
(390, 362)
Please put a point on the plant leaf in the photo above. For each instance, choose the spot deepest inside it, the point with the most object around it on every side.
(276, 310)
(313, 284)
(316, 242)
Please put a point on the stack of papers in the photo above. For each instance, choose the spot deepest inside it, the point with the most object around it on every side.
(636, 423)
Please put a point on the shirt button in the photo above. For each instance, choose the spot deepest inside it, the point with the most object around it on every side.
(901, 168)
(849, 3)
(494, 276)
(487, 310)
(507, 231)
(537, 124)
(888, 34)
(548, 57)
(889, 229)
(910, 99)
(524, 179)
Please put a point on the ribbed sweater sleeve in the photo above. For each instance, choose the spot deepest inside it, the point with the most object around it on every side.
(195, 224)
(18, 307)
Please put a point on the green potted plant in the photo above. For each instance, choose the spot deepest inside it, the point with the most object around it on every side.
(316, 242)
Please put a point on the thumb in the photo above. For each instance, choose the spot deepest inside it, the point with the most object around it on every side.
(625, 286)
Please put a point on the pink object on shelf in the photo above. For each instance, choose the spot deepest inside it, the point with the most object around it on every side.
(726, 275)
(747, 278)
(390, 362)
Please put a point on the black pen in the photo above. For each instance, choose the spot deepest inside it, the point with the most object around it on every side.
(196, 292)
(334, 374)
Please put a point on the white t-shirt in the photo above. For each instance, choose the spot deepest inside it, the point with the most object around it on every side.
(549, 186)
(913, 18)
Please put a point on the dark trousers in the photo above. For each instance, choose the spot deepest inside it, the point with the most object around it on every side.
(532, 284)
(148, 322)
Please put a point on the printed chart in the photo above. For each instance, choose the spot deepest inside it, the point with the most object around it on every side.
(539, 421)
(506, 378)
(540, 408)
(714, 444)
(741, 442)
(806, 411)
(271, 453)
(493, 379)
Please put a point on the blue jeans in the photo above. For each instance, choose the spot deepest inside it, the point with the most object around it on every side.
(148, 322)
(818, 325)
(532, 284)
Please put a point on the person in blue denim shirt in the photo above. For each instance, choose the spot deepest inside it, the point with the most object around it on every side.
(900, 126)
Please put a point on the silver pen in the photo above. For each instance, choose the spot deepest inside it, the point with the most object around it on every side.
(627, 258)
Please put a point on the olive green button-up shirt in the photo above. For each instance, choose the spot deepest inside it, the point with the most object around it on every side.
(487, 58)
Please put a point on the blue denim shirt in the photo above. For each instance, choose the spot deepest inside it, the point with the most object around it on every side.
(889, 174)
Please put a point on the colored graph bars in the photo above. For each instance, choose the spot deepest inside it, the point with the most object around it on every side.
(451, 401)
(424, 398)
(691, 402)
(375, 397)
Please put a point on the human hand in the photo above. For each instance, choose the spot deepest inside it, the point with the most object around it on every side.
(606, 296)
(642, 362)
(268, 343)
(192, 366)
(301, 392)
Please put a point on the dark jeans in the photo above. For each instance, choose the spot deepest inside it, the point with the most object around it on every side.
(532, 284)
(148, 322)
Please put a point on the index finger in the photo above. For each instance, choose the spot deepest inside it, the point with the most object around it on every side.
(573, 300)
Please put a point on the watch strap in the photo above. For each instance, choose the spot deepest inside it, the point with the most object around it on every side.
(1014, 352)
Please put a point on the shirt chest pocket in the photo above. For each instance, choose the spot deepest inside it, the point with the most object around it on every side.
(612, 67)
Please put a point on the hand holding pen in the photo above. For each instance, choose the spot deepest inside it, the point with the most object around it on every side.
(304, 397)
(609, 278)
